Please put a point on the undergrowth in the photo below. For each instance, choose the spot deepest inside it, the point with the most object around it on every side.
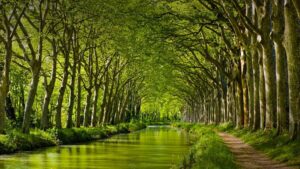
(208, 152)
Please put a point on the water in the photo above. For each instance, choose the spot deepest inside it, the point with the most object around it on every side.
(151, 148)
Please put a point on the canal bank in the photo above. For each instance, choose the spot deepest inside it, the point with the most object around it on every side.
(15, 141)
(159, 147)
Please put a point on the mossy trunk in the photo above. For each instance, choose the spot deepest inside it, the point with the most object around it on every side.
(72, 91)
(78, 108)
(62, 92)
(36, 67)
(256, 75)
(87, 109)
(95, 106)
(4, 82)
(240, 100)
(49, 88)
(292, 46)
(262, 92)
(268, 62)
(281, 66)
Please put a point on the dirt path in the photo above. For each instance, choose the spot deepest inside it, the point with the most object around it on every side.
(247, 157)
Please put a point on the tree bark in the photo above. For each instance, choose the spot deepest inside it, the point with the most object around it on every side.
(4, 82)
(49, 88)
(292, 46)
(281, 66)
(102, 115)
(72, 95)
(86, 117)
(265, 12)
(95, 106)
(245, 87)
(62, 92)
(78, 110)
(262, 92)
(31, 96)
(72, 85)
(255, 61)
(240, 96)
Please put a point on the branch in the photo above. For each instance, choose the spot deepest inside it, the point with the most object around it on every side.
(18, 20)
(246, 21)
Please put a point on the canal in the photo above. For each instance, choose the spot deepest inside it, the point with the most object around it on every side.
(156, 147)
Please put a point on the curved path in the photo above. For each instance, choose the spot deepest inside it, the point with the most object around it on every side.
(247, 157)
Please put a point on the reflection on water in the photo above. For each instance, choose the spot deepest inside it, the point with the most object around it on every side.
(152, 148)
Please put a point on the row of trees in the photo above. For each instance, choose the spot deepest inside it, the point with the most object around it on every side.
(239, 61)
(90, 63)
(80, 74)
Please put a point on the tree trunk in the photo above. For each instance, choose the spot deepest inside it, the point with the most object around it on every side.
(49, 91)
(281, 66)
(262, 92)
(72, 93)
(62, 92)
(36, 67)
(78, 110)
(240, 105)
(256, 74)
(104, 98)
(255, 61)
(95, 106)
(250, 84)
(244, 68)
(86, 115)
(269, 63)
(4, 82)
(292, 46)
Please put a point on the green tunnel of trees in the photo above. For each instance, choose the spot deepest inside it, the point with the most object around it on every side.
(88, 63)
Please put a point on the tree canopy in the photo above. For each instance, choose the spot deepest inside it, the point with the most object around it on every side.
(90, 62)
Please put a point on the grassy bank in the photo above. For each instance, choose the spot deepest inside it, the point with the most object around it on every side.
(158, 123)
(209, 151)
(15, 141)
(280, 148)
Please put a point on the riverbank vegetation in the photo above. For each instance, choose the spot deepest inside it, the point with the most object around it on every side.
(209, 151)
(17, 141)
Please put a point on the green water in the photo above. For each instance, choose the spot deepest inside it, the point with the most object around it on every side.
(151, 148)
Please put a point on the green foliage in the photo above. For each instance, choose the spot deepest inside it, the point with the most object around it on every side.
(123, 128)
(136, 126)
(209, 151)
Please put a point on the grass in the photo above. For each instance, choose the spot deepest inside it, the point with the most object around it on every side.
(209, 151)
(15, 141)
(279, 148)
